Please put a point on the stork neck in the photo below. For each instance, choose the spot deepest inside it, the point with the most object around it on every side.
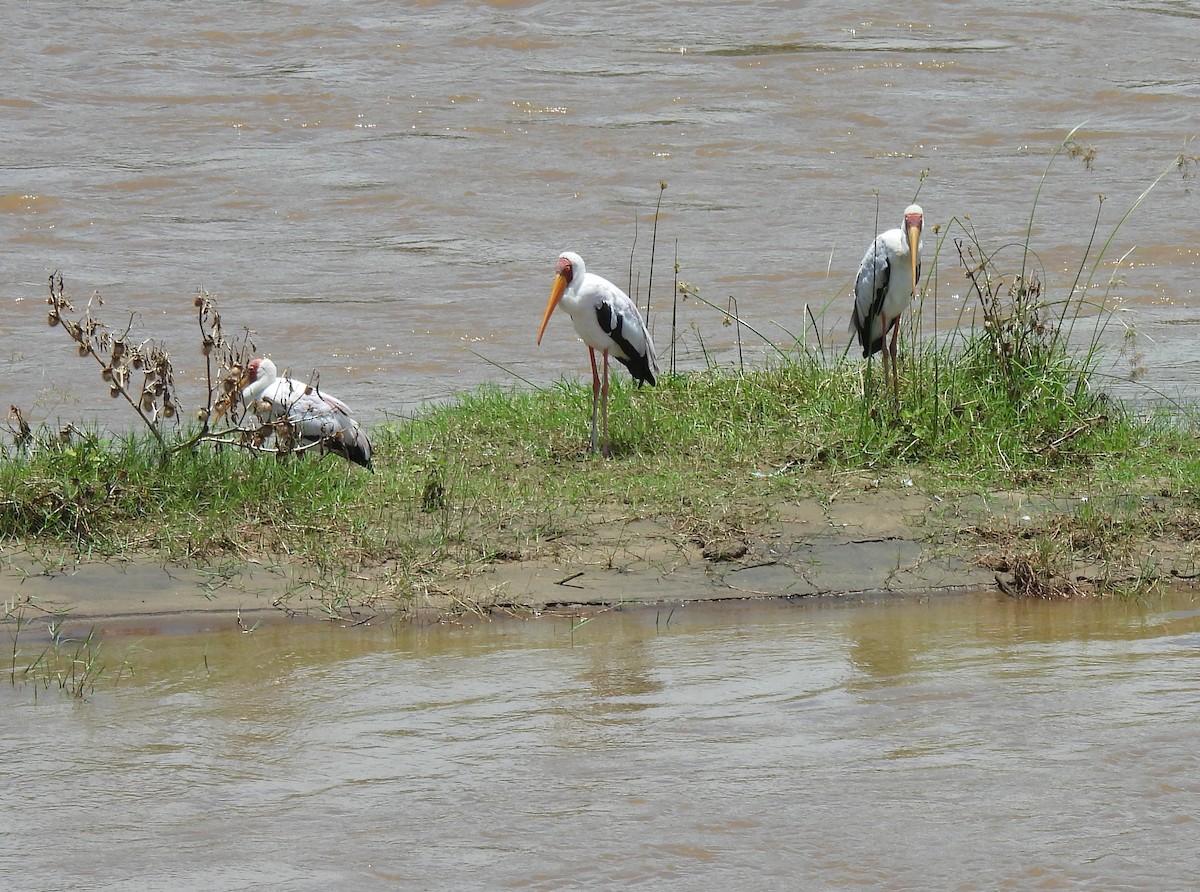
(570, 300)
(256, 388)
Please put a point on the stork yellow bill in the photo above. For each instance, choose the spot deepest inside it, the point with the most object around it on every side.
(914, 220)
(562, 278)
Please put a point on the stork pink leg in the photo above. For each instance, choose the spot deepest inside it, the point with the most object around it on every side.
(604, 406)
(596, 391)
(884, 353)
(895, 368)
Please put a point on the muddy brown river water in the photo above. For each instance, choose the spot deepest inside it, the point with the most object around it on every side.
(963, 742)
(379, 190)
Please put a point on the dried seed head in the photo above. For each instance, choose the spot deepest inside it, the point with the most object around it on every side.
(147, 402)
(168, 411)
(198, 301)
(114, 391)
(106, 373)
(82, 350)
(202, 415)
(52, 320)
(206, 347)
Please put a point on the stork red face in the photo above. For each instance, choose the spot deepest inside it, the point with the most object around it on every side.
(250, 375)
(564, 272)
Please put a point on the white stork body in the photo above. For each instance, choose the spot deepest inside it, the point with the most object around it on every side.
(887, 280)
(317, 417)
(606, 320)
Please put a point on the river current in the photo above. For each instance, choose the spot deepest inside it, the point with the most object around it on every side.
(960, 742)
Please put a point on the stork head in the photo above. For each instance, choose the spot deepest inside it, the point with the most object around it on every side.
(565, 265)
(259, 368)
(914, 217)
(567, 269)
(914, 220)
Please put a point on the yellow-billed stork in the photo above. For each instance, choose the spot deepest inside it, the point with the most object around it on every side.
(316, 416)
(887, 281)
(606, 320)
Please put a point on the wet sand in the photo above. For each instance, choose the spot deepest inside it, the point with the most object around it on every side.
(866, 541)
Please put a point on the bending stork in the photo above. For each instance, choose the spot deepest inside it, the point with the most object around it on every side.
(887, 281)
(316, 416)
(606, 320)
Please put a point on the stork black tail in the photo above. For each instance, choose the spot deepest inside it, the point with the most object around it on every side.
(640, 368)
(352, 448)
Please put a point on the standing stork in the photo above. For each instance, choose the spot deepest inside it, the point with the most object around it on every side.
(883, 291)
(606, 320)
(316, 416)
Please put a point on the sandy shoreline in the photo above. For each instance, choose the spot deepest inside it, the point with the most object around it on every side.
(862, 540)
(871, 542)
